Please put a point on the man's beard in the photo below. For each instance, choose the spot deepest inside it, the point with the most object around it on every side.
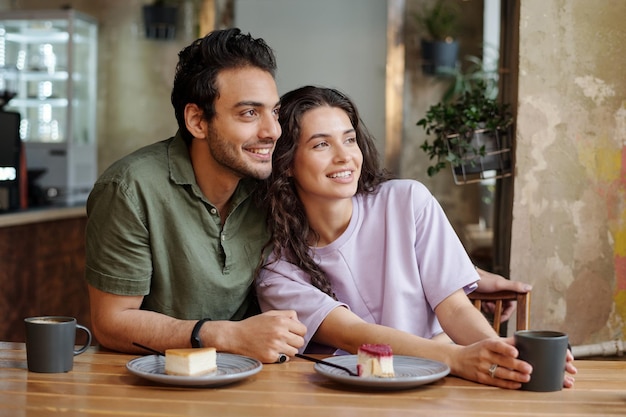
(232, 158)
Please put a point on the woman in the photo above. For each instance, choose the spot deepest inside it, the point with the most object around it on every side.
(365, 259)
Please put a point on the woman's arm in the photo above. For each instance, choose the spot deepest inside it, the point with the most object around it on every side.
(461, 321)
(344, 330)
(464, 324)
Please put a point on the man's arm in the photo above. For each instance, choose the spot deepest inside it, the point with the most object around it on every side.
(118, 321)
(490, 282)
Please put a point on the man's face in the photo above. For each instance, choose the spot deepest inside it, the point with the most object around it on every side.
(242, 135)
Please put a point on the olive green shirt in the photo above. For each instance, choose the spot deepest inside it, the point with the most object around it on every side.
(151, 232)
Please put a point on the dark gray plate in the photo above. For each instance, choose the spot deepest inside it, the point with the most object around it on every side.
(410, 372)
(230, 368)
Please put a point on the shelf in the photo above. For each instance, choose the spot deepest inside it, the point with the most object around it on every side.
(35, 102)
(38, 36)
(45, 76)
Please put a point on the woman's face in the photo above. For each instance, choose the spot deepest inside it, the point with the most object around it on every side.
(327, 161)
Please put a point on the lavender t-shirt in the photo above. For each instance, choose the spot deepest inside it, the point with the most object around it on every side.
(396, 261)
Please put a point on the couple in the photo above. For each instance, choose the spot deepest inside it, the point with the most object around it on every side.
(176, 230)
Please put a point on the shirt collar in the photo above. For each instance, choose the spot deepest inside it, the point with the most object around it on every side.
(181, 170)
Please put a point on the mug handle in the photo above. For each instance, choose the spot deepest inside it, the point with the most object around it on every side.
(87, 344)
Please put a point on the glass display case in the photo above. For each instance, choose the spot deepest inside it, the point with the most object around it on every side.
(55, 56)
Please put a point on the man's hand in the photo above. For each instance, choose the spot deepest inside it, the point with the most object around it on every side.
(265, 336)
(490, 282)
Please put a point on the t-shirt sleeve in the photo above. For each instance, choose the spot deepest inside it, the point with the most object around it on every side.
(445, 265)
(283, 286)
(118, 257)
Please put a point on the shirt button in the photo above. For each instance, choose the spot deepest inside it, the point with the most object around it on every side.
(213, 210)
(223, 236)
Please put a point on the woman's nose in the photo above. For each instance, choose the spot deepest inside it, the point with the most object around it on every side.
(342, 155)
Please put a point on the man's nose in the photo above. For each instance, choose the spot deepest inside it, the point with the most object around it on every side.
(270, 128)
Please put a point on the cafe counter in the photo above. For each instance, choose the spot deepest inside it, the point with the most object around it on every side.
(42, 258)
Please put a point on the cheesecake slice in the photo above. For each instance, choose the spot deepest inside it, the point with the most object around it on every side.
(375, 360)
(190, 362)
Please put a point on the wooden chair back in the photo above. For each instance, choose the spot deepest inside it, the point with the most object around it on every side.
(522, 312)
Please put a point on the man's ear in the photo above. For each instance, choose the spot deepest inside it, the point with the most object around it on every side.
(194, 120)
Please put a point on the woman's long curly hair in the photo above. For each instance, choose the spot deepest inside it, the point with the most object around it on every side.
(287, 221)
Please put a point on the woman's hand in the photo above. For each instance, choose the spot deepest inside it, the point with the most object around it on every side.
(568, 380)
(475, 362)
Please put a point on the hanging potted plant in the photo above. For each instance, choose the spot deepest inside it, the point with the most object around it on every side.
(160, 19)
(472, 133)
(440, 49)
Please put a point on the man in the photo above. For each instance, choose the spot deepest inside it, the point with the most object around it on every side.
(174, 234)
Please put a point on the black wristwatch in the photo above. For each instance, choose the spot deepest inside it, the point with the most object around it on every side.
(196, 342)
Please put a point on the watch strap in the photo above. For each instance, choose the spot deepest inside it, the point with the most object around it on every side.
(196, 342)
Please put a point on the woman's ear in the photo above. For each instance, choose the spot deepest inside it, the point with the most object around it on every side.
(194, 120)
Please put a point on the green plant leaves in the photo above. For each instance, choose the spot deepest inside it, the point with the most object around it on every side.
(452, 123)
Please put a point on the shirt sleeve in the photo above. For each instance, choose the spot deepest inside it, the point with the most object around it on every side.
(444, 262)
(118, 256)
(282, 286)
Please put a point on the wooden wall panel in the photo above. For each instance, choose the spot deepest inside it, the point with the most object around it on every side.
(42, 273)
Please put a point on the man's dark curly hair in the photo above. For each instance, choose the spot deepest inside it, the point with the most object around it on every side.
(200, 63)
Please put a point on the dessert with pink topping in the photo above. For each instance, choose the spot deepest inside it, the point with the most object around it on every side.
(375, 360)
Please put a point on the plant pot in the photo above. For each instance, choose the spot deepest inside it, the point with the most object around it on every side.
(437, 55)
(160, 21)
(495, 162)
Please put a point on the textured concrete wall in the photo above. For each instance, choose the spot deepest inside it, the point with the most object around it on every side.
(569, 218)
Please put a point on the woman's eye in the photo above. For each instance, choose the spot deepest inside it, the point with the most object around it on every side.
(351, 140)
(320, 145)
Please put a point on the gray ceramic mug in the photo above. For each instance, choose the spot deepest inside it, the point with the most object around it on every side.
(50, 343)
(546, 351)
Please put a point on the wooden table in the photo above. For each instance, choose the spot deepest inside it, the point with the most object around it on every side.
(100, 385)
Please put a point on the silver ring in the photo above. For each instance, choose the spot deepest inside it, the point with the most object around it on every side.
(281, 358)
(492, 370)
